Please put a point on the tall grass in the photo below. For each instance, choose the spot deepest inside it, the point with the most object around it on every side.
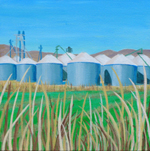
(58, 128)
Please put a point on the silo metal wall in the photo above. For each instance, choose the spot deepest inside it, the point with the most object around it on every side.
(6, 69)
(64, 72)
(51, 73)
(123, 71)
(140, 74)
(21, 69)
(102, 72)
(83, 73)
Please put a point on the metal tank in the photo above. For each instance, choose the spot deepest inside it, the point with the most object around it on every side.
(142, 60)
(83, 70)
(65, 59)
(7, 67)
(124, 68)
(102, 59)
(50, 69)
(22, 66)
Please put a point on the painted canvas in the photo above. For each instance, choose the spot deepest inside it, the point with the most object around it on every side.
(74, 75)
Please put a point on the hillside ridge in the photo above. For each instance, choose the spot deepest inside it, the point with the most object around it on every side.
(4, 49)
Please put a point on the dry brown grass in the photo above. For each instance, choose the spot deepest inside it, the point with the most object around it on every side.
(61, 88)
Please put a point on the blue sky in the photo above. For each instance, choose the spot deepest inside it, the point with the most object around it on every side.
(85, 25)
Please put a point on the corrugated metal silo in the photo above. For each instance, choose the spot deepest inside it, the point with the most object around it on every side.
(7, 67)
(124, 68)
(65, 59)
(102, 59)
(50, 69)
(83, 70)
(22, 66)
(140, 73)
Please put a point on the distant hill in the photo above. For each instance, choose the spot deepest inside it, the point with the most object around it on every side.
(111, 53)
(123, 51)
(127, 51)
(106, 52)
(4, 49)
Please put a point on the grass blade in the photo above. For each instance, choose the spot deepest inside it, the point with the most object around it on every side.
(90, 123)
(59, 129)
(5, 138)
(106, 98)
(40, 127)
(80, 131)
(11, 121)
(4, 88)
(130, 119)
(139, 117)
(48, 118)
(70, 113)
(25, 130)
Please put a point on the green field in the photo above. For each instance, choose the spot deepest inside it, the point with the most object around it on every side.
(78, 99)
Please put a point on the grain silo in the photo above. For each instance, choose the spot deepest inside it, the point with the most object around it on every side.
(131, 57)
(140, 61)
(50, 69)
(65, 58)
(83, 70)
(124, 68)
(7, 67)
(102, 59)
(22, 66)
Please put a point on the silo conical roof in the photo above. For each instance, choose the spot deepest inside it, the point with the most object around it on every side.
(120, 59)
(65, 58)
(102, 58)
(7, 59)
(84, 57)
(138, 60)
(50, 59)
(131, 57)
(17, 59)
(27, 61)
